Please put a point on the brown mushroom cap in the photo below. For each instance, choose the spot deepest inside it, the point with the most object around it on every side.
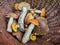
(34, 21)
(12, 15)
(43, 12)
(28, 18)
(16, 6)
(24, 4)
(42, 29)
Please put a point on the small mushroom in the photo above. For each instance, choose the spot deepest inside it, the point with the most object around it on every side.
(15, 26)
(33, 37)
(43, 28)
(11, 17)
(24, 7)
(43, 11)
(18, 35)
(29, 30)
(16, 6)
(28, 18)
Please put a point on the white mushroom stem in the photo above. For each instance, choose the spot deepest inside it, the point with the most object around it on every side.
(21, 18)
(37, 11)
(9, 29)
(27, 33)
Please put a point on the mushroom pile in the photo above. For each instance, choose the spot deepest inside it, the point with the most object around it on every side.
(30, 23)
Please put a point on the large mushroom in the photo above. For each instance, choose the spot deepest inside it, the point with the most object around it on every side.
(24, 7)
(11, 17)
(43, 28)
(29, 30)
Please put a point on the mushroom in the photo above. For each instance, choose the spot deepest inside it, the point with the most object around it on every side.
(15, 26)
(11, 17)
(43, 28)
(33, 37)
(28, 18)
(16, 6)
(29, 30)
(18, 35)
(43, 11)
(24, 7)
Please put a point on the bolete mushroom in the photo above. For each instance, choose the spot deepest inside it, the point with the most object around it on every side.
(11, 17)
(29, 30)
(24, 7)
(15, 26)
(18, 35)
(43, 28)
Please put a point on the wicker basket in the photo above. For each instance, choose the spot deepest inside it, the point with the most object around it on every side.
(52, 16)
